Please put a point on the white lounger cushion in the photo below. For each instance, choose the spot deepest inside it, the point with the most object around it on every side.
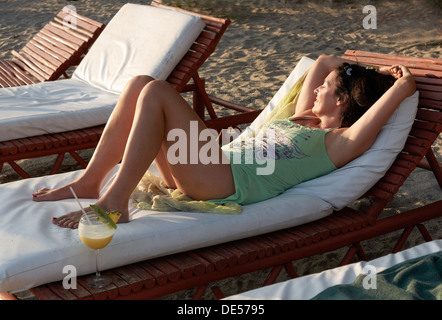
(139, 40)
(35, 251)
(307, 287)
(51, 107)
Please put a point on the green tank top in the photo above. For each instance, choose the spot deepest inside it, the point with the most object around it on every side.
(282, 155)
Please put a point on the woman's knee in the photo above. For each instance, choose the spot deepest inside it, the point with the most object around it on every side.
(151, 94)
(142, 79)
(157, 86)
(157, 90)
(160, 94)
(139, 82)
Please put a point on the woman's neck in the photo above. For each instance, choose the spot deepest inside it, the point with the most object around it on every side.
(330, 122)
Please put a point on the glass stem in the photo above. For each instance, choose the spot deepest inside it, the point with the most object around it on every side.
(97, 270)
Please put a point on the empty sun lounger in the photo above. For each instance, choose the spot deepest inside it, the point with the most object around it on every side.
(414, 277)
(158, 253)
(68, 115)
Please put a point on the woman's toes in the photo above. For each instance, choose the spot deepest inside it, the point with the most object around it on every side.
(69, 220)
(40, 192)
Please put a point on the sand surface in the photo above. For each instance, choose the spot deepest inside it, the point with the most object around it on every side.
(256, 54)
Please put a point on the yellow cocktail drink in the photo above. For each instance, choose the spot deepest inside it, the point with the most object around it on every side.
(95, 236)
(96, 243)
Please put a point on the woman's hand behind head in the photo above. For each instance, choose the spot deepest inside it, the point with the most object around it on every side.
(396, 71)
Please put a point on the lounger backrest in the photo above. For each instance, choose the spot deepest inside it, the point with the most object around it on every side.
(59, 45)
(139, 40)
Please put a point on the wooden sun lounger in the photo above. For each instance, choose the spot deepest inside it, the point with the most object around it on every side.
(186, 70)
(61, 44)
(348, 227)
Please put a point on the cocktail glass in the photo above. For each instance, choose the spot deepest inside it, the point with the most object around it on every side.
(96, 234)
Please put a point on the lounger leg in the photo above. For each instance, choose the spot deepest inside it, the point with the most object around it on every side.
(291, 270)
(79, 159)
(351, 252)
(274, 273)
(355, 249)
(217, 292)
(424, 232)
(199, 292)
(361, 253)
(271, 277)
(57, 163)
(402, 239)
(201, 99)
(19, 170)
(435, 166)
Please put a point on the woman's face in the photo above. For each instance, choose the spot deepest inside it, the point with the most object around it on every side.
(326, 101)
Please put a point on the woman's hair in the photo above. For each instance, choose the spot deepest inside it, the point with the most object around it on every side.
(364, 87)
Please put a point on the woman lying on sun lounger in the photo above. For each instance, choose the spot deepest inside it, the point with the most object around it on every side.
(339, 112)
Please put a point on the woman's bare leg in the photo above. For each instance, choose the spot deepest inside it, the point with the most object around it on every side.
(163, 166)
(159, 110)
(109, 150)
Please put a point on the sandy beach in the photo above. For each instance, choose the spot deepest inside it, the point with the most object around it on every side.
(256, 54)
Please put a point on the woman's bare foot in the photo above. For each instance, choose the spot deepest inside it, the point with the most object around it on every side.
(82, 191)
(72, 219)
